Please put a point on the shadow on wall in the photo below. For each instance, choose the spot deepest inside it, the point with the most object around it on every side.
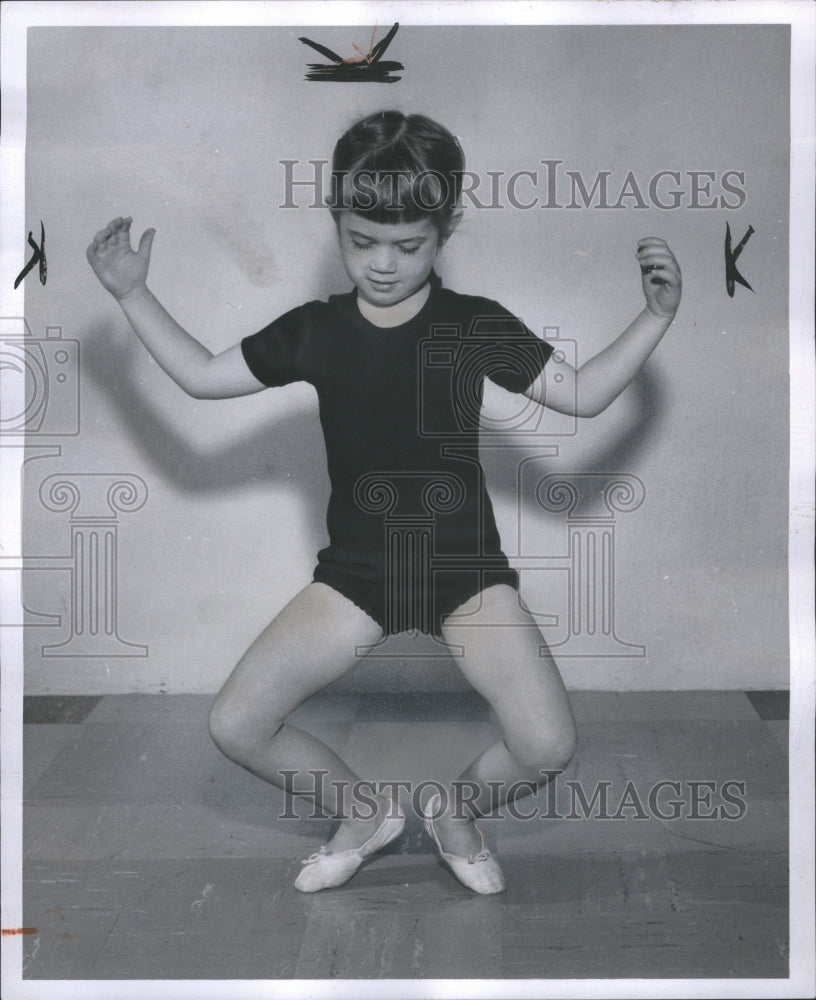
(281, 450)
(618, 452)
(622, 452)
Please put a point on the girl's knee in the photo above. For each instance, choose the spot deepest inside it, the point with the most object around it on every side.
(223, 729)
(235, 735)
(547, 750)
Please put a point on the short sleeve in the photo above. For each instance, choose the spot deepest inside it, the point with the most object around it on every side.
(515, 356)
(284, 351)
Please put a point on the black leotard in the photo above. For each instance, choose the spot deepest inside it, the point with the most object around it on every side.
(411, 527)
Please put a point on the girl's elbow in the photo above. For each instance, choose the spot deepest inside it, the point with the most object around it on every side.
(205, 391)
(575, 407)
(591, 409)
(584, 405)
(592, 400)
(200, 383)
(581, 398)
(593, 396)
(193, 389)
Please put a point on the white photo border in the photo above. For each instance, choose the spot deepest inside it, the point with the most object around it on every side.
(16, 17)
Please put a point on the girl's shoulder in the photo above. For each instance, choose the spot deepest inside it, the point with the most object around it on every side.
(473, 306)
(309, 320)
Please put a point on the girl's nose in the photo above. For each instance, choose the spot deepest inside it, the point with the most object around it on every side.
(384, 260)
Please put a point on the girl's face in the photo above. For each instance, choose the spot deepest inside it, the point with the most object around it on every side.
(387, 261)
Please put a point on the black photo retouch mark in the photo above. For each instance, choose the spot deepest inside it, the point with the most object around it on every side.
(37, 258)
(732, 275)
(364, 67)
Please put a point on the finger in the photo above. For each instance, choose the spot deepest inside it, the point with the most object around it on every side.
(110, 230)
(146, 243)
(663, 266)
(660, 278)
(659, 262)
(652, 241)
(653, 248)
(121, 232)
(663, 273)
(656, 254)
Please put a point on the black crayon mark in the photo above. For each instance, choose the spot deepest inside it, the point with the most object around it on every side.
(37, 258)
(365, 67)
(732, 275)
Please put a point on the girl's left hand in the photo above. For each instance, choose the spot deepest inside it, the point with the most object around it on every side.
(662, 281)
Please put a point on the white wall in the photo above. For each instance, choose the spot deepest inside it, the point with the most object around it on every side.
(185, 129)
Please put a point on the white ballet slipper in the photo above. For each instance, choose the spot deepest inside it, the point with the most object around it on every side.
(323, 870)
(480, 872)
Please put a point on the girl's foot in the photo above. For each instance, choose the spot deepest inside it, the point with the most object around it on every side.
(467, 856)
(353, 832)
(336, 862)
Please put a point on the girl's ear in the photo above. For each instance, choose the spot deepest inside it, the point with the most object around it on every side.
(453, 222)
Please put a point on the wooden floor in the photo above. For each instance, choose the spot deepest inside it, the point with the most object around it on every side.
(148, 855)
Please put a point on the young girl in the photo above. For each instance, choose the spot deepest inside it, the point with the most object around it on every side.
(398, 364)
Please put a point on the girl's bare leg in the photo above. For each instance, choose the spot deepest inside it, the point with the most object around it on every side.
(312, 642)
(503, 662)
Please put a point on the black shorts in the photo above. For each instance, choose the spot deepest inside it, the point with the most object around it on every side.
(416, 605)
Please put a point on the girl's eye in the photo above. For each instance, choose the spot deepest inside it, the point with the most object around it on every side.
(366, 246)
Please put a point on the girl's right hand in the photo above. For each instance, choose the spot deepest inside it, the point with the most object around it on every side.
(120, 269)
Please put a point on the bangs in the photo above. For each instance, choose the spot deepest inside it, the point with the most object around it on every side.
(392, 195)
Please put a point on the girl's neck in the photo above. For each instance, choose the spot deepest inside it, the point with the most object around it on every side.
(397, 314)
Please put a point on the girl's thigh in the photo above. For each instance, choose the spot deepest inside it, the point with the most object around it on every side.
(314, 640)
(505, 658)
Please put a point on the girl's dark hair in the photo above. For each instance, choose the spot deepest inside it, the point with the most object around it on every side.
(392, 167)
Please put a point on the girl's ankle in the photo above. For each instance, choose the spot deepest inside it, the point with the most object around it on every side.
(451, 820)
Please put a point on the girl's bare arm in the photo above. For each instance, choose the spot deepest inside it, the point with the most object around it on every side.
(123, 272)
(590, 389)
